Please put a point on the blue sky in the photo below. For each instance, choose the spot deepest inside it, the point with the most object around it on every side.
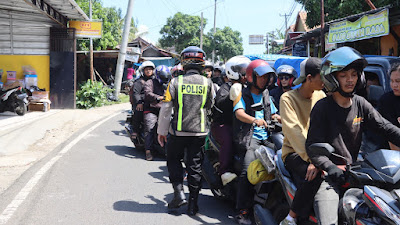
(247, 17)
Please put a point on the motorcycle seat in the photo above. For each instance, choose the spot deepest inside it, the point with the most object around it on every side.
(281, 165)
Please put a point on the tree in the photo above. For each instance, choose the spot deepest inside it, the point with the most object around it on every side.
(132, 31)
(112, 25)
(273, 36)
(336, 9)
(227, 43)
(181, 30)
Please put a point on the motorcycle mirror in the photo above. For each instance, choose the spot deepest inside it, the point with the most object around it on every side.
(257, 107)
(324, 149)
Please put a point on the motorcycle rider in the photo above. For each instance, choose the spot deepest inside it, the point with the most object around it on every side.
(217, 76)
(154, 93)
(221, 127)
(191, 98)
(295, 108)
(389, 104)
(249, 128)
(286, 75)
(208, 69)
(339, 120)
(146, 72)
(177, 70)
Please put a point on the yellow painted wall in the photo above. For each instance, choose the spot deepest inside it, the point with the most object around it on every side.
(41, 63)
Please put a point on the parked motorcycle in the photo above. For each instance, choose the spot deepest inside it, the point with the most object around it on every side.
(14, 100)
(140, 138)
(371, 194)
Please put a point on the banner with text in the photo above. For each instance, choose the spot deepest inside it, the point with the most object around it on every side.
(85, 29)
(368, 26)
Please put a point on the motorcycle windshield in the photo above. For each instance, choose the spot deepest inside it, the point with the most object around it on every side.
(385, 161)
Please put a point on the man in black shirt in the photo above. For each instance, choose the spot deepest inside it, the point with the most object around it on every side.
(339, 120)
(389, 104)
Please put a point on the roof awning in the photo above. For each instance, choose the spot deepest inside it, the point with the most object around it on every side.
(59, 11)
(317, 31)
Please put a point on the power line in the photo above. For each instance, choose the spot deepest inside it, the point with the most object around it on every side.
(218, 2)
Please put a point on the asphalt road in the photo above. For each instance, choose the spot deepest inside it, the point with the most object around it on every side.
(102, 179)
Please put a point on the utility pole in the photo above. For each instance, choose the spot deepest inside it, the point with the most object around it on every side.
(91, 43)
(215, 16)
(201, 31)
(322, 29)
(122, 50)
(267, 44)
(286, 18)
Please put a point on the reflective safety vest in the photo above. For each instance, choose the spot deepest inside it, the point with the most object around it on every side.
(192, 103)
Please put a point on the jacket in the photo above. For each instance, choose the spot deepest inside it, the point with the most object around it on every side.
(243, 132)
(190, 96)
(152, 91)
(138, 91)
(222, 110)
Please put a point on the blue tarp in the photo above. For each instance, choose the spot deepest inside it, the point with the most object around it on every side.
(270, 57)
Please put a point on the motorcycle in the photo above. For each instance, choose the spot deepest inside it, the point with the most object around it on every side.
(139, 141)
(371, 193)
(14, 100)
(210, 166)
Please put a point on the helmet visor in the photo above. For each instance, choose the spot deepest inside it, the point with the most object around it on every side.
(263, 70)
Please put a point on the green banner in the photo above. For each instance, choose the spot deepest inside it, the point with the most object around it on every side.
(368, 26)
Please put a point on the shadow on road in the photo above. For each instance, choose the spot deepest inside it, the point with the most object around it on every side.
(209, 207)
(131, 152)
(161, 175)
(120, 132)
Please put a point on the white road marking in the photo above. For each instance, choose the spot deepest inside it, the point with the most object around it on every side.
(25, 191)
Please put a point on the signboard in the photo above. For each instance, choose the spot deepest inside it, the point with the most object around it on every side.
(86, 29)
(366, 27)
(329, 46)
(256, 39)
(300, 49)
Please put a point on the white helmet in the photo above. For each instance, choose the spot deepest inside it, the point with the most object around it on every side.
(144, 65)
(235, 67)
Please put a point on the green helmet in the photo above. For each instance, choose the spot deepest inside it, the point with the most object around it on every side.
(338, 60)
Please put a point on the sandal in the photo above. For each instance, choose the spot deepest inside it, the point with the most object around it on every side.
(149, 157)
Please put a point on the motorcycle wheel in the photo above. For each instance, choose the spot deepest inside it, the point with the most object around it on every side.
(20, 107)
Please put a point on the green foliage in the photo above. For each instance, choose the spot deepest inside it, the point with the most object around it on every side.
(92, 94)
(112, 25)
(181, 31)
(132, 31)
(275, 35)
(227, 43)
(335, 9)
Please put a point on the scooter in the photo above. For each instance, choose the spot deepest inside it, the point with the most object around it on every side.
(211, 164)
(140, 138)
(371, 194)
(14, 100)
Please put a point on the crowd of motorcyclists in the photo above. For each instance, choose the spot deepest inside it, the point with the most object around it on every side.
(236, 102)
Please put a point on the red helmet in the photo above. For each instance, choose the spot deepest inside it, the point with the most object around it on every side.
(259, 68)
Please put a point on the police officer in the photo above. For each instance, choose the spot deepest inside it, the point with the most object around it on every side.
(191, 98)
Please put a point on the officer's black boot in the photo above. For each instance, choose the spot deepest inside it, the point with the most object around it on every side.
(193, 208)
(179, 196)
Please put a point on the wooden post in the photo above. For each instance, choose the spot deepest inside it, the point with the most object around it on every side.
(322, 29)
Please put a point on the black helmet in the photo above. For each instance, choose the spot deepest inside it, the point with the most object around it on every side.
(338, 60)
(193, 57)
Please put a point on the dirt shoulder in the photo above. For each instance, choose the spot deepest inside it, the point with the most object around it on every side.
(24, 145)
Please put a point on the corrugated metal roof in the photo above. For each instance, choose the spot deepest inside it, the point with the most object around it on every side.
(68, 8)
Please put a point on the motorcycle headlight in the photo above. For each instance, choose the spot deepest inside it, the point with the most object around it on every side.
(389, 212)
